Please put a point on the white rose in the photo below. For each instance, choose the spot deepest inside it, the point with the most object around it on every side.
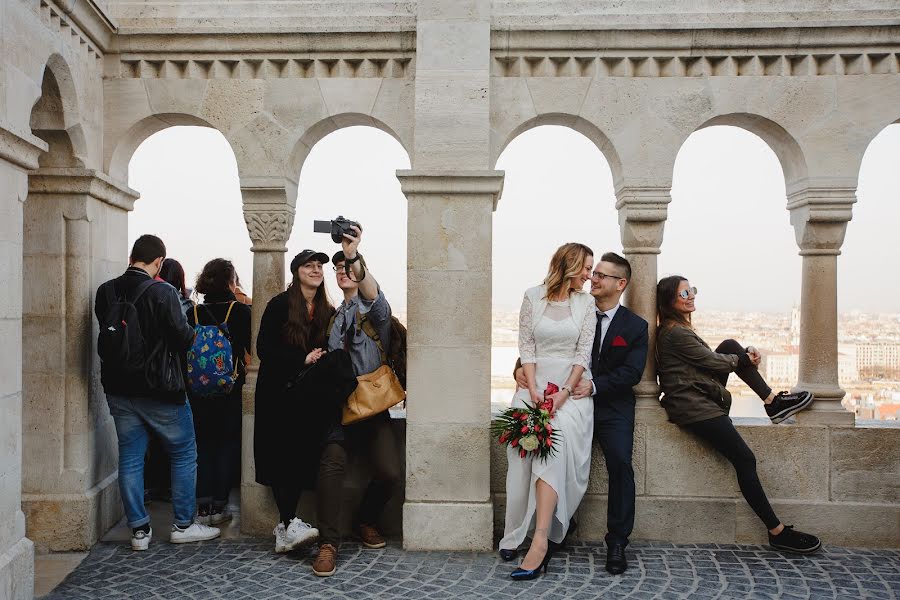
(529, 443)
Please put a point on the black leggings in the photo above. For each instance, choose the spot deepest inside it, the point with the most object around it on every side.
(286, 499)
(720, 433)
(749, 374)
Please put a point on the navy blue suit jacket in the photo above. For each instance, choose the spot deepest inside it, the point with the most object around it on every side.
(618, 365)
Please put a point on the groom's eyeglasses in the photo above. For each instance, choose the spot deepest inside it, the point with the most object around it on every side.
(601, 276)
(685, 294)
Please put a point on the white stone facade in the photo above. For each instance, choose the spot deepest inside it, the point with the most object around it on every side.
(84, 82)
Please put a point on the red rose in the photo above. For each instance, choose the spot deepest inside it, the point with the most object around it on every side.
(514, 443)
(525, 429)
(552, 388)
(523, 417)
(549, 442)
(522, 453)
(549, 429)
(504, 437)
(536, 428)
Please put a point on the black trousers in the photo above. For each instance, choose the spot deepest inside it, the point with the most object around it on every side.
(750, 374)
(374, 441)
(217, 425)
(720, 433)
(614, 432)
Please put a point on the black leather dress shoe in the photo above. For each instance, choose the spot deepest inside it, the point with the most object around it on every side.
(615, 559)
(508, 555)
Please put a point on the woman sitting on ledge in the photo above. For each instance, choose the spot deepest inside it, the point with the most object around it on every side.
(692, 378)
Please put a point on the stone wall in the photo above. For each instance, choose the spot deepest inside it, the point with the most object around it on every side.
(841, 483)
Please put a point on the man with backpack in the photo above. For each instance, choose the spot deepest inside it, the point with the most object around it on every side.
(143, 338)
(363, 327)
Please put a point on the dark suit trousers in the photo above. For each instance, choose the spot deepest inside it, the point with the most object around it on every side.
(614, 431)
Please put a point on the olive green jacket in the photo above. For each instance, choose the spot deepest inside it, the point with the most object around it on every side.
(688, 370)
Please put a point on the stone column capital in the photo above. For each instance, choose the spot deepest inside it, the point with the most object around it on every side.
(268, 214)
(643, 211)
(67, 181)
(21, 149)
(820, 215)
(452, 183)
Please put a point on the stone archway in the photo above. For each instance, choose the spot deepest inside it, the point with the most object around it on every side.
(69, 468)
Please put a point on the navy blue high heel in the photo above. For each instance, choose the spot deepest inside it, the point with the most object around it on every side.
(508, 555)
(521, 574)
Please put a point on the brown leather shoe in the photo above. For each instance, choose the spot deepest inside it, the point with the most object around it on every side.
(370, 537)
(324, 565)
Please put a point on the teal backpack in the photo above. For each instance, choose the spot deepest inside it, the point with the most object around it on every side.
(211, 369)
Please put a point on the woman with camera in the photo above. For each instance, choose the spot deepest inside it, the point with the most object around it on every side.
(299, 393)
(692, 378)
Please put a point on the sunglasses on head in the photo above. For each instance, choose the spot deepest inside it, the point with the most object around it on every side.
(685, 294)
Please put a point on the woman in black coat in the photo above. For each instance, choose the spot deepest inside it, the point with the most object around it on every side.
(299, 393)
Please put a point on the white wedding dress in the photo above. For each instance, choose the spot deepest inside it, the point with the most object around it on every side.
(554, 341)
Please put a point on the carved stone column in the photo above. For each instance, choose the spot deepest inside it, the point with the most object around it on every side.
(819, 216)
(70, 491)
(642, 219)
(18, 155)
(269, 215)
(448, 501)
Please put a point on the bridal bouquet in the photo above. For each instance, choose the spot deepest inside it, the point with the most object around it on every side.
(528, 428)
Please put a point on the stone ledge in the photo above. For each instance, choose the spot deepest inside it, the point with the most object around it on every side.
(67, 181)
(17, 571)
(21, 149)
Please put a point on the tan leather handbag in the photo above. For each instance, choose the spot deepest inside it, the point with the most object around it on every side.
(375, 393)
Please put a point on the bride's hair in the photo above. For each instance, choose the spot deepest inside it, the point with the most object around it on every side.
(567, 262)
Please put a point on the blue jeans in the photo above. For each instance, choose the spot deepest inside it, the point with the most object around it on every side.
(135, 418)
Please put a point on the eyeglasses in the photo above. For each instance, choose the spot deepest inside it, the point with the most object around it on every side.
(685, 294)
(338, 268)
(602, 276)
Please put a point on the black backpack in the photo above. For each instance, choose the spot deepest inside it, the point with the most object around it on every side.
(120, 342)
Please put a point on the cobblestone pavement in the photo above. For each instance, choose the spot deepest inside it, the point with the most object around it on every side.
(250, 569)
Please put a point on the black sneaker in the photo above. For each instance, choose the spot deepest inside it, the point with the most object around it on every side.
(786, 404)
(794, 541)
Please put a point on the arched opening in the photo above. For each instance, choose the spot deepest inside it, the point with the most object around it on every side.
(352, 172)
(190, 197)
(728, 232)
(869, 321)
(558, 188)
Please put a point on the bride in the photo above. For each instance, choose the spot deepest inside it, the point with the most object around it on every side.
(556, 331)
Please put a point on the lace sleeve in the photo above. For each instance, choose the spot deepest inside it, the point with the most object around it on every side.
(586, 340)
(527, 348)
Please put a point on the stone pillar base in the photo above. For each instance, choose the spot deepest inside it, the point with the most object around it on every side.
(826, 409)
(72, 522)
(448, 526)
(259, 515)
(17, 571)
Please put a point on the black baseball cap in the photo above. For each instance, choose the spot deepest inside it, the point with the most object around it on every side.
(338, 257)
(305, 256)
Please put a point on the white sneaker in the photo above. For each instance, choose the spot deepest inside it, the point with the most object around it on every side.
(299, 533)
(140, 540)
(197, 532)
(217, 518)
(280, 543)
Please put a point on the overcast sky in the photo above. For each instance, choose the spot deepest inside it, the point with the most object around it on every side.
(727, 231)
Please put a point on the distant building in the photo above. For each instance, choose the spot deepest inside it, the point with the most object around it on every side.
(887, 412)
(783, 366)
(878, 361)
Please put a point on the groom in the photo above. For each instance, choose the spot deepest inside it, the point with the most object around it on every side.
(617, 363)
